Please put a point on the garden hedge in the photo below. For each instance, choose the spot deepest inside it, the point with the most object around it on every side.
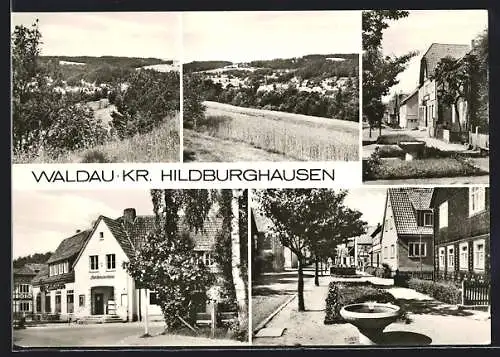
(442, 291)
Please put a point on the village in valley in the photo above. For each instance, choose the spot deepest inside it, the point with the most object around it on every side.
(427, 121)
(423, 255)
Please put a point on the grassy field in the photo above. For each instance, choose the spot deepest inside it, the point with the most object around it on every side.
(160, 145)
(299, 137)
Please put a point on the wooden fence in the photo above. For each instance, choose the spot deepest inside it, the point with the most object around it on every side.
(477, 140)
(476, 292)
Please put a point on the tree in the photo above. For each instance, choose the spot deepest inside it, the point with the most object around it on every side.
(166, 262)
(308, 221)
(194, 110)
(379, 72)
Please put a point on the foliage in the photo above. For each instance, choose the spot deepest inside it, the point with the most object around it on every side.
(379, 72)
(371, 166)
(197, 66)
(193, 109)
(37, 258)
(376, 271)
(309, 222)
(442, 291)
(150, 98)
(342, 294)
(394, 139)
(166, 262)
(466, 79)
(44, 118)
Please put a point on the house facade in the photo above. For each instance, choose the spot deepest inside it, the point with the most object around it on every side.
(22, 289)
(86, 276)
(355, 252)
(462, 233)
(406, 239)
(408, 111)
(438, 119)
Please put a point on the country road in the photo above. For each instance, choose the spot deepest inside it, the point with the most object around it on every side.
(205, 148)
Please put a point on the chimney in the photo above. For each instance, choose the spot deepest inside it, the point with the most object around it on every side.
(78, 230)
(129, 215)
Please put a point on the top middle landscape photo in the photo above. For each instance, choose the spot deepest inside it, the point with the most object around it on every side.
(271, 86)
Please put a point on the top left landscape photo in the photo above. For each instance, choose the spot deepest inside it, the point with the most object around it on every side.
(95, 87)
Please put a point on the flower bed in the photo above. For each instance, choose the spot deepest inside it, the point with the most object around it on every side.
(342, 294)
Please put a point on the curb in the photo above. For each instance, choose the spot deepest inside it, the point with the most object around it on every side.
(271, 316)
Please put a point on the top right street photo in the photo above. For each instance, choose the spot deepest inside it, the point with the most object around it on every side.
(425, 97)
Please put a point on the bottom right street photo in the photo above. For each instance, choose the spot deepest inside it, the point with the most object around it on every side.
(371, 266)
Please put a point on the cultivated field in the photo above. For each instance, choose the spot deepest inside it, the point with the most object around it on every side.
(296, 136)
(159, 145)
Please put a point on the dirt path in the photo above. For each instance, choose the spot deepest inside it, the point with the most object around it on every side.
(205, 148)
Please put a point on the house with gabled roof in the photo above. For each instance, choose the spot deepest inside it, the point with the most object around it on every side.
(431, 112)
(22, 290)
(86, 278)
(407, 230)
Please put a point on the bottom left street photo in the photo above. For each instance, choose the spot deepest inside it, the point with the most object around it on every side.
(104, 268)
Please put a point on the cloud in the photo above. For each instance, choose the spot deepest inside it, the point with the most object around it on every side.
(42, 219)
(245, 36)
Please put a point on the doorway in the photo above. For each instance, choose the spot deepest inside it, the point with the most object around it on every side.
(98, 304)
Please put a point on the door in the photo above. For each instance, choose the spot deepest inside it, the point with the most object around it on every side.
(99, 304)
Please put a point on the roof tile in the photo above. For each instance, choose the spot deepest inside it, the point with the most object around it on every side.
(405, 202)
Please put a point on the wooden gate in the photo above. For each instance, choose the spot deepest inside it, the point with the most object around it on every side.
(476, 292)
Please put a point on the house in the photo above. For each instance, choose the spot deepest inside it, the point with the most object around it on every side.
(267, 248)
(86, 276)
(430, 111)
(408, 111)
(22, 292)
(407, 230)
(462, 233)
(392, 117)
(355, 251)
(375, 250)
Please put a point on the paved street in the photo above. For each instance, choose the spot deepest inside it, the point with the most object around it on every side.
(107, 335)
(430, 322)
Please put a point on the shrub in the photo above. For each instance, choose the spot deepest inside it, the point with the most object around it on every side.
(371, 165)
(390, 151)
(343, 271)
(442, 291)
(394, 139)
(95, 156)
(401, 279)
(342, 294)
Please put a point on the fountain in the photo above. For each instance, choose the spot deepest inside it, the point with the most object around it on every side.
(413, 149)
(371, 318)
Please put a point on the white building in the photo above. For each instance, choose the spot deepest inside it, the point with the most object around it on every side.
(85, 277)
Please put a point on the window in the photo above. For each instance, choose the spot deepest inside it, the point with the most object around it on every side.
(101, 235)
(451, 257)
(385, 253)
(208, 259)
(94, 262)
(443, 215)
(110, 262)
(38, 302)
(59, 268)
(463, 258)
(442, 258)
(417, 249)
(24, 288)
(393, 251)
(81, 300)
(479, 249)
(476, 200)
(153, 298)
(425, 218)
(24, 306)
(69, 301)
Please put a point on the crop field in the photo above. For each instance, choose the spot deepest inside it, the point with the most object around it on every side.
(296, 136)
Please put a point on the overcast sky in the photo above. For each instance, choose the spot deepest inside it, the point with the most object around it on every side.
(246, 36)
(130, 34)
(422, 28)
(42, 219)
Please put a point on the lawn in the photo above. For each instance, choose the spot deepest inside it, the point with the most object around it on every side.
(424, 168)
(263, 306)
(296, 136)
(159, 145)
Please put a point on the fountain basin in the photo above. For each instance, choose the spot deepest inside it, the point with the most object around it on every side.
(371, 319)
